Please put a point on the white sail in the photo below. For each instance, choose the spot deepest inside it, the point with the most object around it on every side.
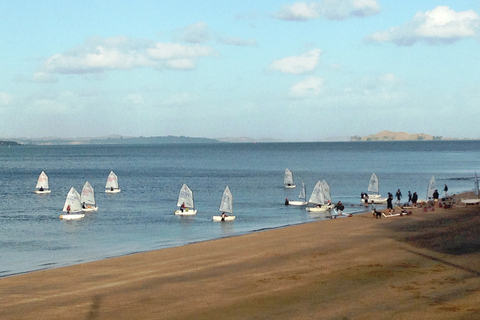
(185, 196)
(288, 179)
(431, 187)
(73, 200)
(317, 194)
(112, 181)
(326, 191)
(226, 205)
(373, 184)
(42, 181)
(476, 184)
(302, 195)
(88, 194)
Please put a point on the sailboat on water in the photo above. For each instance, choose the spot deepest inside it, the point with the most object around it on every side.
(72, 204)
(373, 191)
(87, 198)
(317, 198)
(301, 195)
(112, 183)
(42, 184)
(288, 179)
(185, 202)
(226, 206)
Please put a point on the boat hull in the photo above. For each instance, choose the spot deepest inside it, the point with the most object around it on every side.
(185, 212)
(90, 209)
(297, 203)
(290, 186)
(219, 218)
(112, 191)
(318, 209)
(43, 192)
(72, 216)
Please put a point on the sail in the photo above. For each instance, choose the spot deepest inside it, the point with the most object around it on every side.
(185, 196)
(431, 188)
(326, 191)
(42, 181)
(373, 184)
(288, 178)
(227, 201)
(317, 194)
(476, 184)
(112, 181)
(302, 194)
(88, 195)
(73, 200)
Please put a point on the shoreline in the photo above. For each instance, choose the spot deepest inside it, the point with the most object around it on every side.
(425, 265)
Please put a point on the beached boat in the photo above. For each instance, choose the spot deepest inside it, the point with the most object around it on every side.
(288, 179)
(226, 206)
(317, 199)
(42, 184)
(87, 198)
(72, 204)
(185, 202)
(302, 195)
(431, 188)
(112, 183)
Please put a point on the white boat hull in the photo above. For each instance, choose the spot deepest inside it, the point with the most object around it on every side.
(185, 212)
(112, 191)
(43, 192)
(90, 209)
(219, 218)
(318, 209)
(72, 216)
(292, 186)
(377, 200)
(297, 203)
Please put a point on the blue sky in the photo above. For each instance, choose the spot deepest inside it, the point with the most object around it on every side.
(293, 71)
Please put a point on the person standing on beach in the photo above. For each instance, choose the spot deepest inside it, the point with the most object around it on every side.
(414, 199)
(398, 195)
(435, 195)
(389, 202)
(409, 198)
(445, 190)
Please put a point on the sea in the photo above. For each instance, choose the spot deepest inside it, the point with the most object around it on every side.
(140, 218)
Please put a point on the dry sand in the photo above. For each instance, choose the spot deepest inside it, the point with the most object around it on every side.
(422, 266)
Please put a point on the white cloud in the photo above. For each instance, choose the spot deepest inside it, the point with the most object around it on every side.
(5, 98)
(328, 9)
(302, 64)
(134, 98)
(440, 25)
(121, 53)
(236, 41)
(310, 87)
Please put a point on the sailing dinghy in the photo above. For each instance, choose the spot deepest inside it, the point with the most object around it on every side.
(112, 183)
(87, 198)
(185, 202)
(288, 179)
(72, 204)
(317, 198)
(326, 195)
(226, 206)
(302, 195)
(373, 191)
(42, 184)
(431, 188)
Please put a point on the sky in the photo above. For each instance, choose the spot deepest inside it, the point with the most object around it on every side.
(286, 70)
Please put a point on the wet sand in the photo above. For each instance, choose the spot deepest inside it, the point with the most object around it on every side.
(421, 266)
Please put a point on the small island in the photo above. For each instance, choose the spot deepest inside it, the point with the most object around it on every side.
(5, 143)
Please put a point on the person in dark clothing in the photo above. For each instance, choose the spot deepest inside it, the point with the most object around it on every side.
(389, 202)
(445, 190)
(339, 208)
(398, 195)
(435, 195)
(409, 197)
(414, 199)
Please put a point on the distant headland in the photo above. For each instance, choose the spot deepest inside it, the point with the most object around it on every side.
(397, 136)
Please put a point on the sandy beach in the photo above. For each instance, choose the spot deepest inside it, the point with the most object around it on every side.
(421, 266)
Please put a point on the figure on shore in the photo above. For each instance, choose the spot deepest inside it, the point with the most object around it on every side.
(414, 199)
(445, 190)
(409, 198)
(399, 196)
(339, 208)
(389, 202)
(435, 195)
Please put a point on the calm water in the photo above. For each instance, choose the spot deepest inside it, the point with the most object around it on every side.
(140, 218)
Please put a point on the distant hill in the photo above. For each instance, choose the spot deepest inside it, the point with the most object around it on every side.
(396, 136)
(117, 140)
(8, 143)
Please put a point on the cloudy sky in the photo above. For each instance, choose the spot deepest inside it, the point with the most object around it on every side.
(295, 71)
